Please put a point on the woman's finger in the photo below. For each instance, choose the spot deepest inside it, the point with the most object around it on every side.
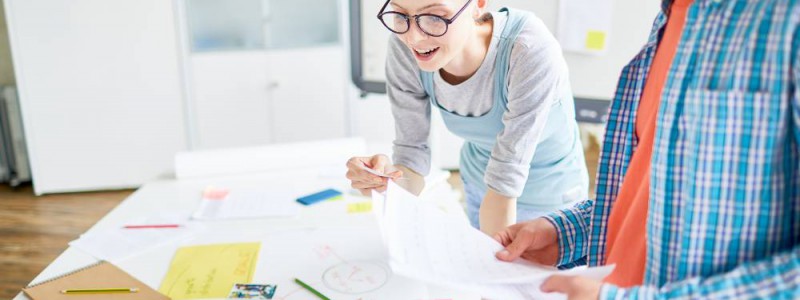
(366, 192)
(365, 185)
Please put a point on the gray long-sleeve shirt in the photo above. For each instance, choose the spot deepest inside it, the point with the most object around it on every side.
(536, 74)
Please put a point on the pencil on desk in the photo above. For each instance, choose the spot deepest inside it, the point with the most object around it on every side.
(310, 289)
(100, 291)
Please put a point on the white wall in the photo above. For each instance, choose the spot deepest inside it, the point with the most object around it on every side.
(6, 69)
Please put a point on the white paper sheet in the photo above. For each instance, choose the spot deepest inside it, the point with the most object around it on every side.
(584, 26)
(339, 262)
(118, 244)
(245, 203)
(426, 243)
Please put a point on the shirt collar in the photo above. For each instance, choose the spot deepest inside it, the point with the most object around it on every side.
(665, 6)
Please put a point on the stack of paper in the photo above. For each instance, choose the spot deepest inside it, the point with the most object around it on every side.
(426, 243)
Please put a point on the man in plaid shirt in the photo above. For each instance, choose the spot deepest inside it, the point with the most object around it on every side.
(698, 188)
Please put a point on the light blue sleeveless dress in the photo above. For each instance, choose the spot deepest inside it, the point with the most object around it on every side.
(557, 176)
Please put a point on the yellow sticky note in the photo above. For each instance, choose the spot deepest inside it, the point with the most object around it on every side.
(595, 40)
(359, 207)
(209, 271)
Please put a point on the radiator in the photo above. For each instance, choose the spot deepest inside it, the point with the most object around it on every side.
(14, 166)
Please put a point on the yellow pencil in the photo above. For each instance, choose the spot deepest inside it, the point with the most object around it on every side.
(100, 291)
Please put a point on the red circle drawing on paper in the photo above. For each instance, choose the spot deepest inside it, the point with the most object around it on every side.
(356, 277)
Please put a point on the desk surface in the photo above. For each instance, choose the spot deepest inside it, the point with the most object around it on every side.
(183, 197)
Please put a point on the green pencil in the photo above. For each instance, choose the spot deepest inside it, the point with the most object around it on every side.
(310, 289)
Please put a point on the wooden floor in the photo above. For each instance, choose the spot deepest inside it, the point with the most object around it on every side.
(35, 230)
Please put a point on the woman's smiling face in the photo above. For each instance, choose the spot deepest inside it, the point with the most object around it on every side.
(433, 53)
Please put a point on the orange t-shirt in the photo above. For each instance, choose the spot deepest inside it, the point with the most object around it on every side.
(626, 237)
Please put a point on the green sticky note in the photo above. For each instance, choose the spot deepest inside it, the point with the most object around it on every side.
(595, 40)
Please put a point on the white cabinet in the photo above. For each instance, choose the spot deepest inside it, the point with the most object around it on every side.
(230, 99)
(265, 71)
(111, 90)
(99, 88)
(248, 98)
(309, 93)
(220, 25)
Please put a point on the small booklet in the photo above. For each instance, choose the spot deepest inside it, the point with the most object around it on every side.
(99, 276)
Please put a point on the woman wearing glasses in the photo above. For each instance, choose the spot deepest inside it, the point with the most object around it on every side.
(500, 83)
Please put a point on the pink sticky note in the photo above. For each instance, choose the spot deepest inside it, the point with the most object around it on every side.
(213, 193)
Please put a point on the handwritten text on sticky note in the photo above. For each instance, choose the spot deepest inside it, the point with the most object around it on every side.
(209, 271)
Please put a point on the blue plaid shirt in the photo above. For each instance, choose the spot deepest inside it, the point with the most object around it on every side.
(724, 210)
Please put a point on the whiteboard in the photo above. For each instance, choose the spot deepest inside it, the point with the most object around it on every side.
(592, 77)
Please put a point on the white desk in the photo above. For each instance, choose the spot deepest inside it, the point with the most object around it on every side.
(183, 197)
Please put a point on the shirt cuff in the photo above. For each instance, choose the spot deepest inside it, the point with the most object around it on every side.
(610, 291)
(416, 159)
(507, 179)
(571, 230)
